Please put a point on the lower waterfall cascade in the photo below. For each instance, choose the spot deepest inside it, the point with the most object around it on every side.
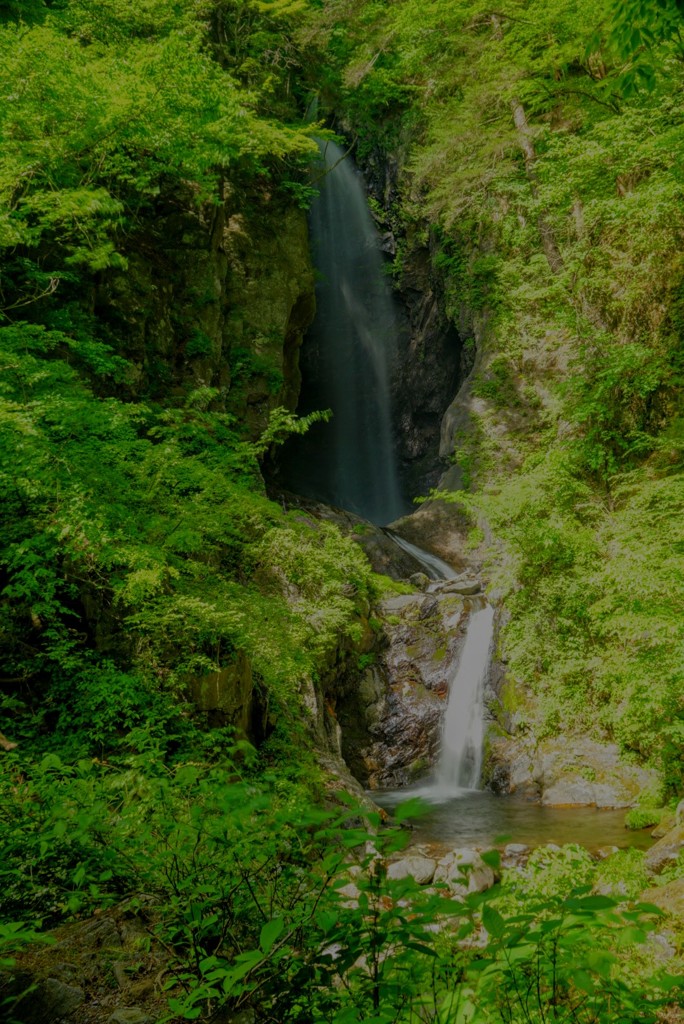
(460, 759)
(463, 728)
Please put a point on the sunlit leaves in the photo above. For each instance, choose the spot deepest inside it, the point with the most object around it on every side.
(133, 106)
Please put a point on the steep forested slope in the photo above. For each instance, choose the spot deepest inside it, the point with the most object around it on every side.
(536, 152)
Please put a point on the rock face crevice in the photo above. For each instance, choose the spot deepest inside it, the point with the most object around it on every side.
(429, 373)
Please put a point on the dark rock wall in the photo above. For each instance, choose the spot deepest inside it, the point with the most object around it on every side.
(217, 297)
(428, 374)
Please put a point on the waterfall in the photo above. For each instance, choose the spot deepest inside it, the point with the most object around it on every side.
(346, 364)
(460, 759)
(347, 357)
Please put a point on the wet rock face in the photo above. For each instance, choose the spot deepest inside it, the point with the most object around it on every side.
(432, 361)
(391, 723)
(225, 697)
(441, 529)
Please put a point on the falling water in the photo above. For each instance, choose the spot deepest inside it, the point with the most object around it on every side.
(348, 356)
(435, 568)
(460, 759)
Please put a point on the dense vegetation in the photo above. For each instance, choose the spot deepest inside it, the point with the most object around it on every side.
(140, 556)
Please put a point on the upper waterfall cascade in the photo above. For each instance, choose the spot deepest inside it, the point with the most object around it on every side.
(348, 356)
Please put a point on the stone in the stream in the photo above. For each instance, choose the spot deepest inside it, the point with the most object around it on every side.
(464, 871)
(413, 864)
(665, 851)
(514, 855)
(419, 580)
(465, 587)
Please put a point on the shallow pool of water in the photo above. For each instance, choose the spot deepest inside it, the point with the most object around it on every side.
(478, 818)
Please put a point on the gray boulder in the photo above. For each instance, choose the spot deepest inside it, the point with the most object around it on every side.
(415, 865)
(464, 871)
(665, 851)
(130, 1015)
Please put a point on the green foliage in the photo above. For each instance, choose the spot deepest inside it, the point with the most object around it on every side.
(263, 902)
(385, 586)
(137, 580)
(135, 112)
(642, 817)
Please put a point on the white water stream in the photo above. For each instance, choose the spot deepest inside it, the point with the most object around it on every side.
(435, 568)
(460, 759)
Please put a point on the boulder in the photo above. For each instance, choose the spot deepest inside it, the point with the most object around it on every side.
(440, 528)
(604, 852)
(414, 865)
(578, 771)
(664, 825)
(566, 771)
(669, 898)
(464, 587)
(130, 1015)
(350, 893)
(101, 933)
(665, 850)
(41, 1000)
(514, 855)
(511, 768)
(464, 871)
